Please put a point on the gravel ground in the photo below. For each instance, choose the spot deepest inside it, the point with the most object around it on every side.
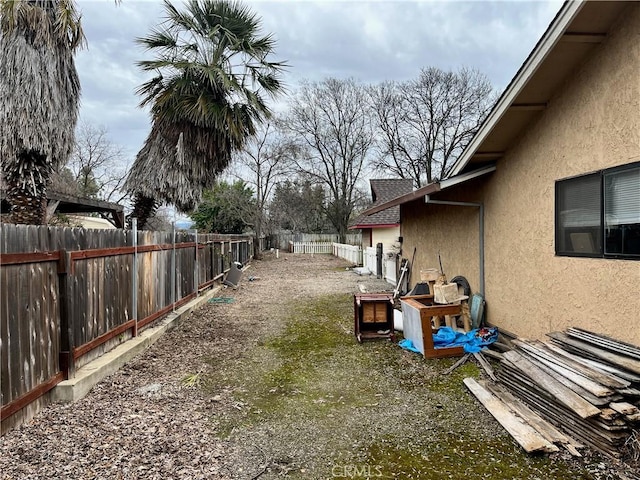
(217, 398)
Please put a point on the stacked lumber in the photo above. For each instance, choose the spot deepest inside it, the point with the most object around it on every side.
(531, 431)
(585, 384)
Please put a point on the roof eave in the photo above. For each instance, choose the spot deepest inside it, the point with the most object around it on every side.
(409, 197)
(431, 189)
(551, 37)
(465, 177)
(375, 225)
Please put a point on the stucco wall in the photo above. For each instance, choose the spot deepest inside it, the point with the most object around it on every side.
(593, 122)
(450, 231)
(386, 236)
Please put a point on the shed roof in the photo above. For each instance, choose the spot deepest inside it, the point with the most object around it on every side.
(64, 203)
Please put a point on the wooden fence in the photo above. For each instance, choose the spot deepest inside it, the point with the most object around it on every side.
(69, 295)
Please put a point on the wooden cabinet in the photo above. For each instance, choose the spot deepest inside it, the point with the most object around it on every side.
(373, 316)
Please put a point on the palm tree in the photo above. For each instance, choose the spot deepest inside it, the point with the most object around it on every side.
(170, 172)
(211, 75)
(40, 90)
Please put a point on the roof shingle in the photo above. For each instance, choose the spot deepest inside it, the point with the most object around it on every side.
(383, 190)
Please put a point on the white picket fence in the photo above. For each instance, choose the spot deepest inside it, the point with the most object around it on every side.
(281, 240)
(390, 266)
(350, 253)
(369, 259)
(310, 247)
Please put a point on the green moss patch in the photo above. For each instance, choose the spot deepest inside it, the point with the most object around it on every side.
(331, 406)
(445, 457)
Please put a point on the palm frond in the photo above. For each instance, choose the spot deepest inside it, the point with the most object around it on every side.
(159, 173)
(45, 22)
(158, 38)
(198, 92)
(41, 90)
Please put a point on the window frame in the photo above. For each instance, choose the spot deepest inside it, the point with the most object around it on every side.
(602, 229)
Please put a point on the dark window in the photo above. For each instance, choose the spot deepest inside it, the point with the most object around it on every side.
(598, 215)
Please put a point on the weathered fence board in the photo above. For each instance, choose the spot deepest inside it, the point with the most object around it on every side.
(29, 311)
(66, 296)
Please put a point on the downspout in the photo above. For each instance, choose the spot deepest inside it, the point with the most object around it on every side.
(480, 206)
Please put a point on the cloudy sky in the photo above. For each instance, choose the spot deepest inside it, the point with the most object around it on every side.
(371, 41)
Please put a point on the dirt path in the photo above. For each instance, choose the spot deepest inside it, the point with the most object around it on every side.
(273, 385)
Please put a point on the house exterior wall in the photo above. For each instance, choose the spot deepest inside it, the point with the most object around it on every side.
(365, 237)
(387, 236)
(592, 123)
(449, 231)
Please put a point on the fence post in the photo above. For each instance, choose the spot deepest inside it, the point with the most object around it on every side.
(196, 272)
(67, 341)
(173, 267)
(218, 259)
(212, 245)
(134, 276)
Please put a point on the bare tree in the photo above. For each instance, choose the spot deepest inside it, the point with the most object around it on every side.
(426, 123)
(400, 149)
(262, 164)
(332, 125)
(97, 164)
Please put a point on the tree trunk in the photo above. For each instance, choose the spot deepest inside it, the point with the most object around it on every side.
(143, 209)
(28, 200)
(27, 208)
(257, 252)
(342, 236)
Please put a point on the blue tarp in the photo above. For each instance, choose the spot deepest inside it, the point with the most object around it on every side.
(408, 345)
(472, 341)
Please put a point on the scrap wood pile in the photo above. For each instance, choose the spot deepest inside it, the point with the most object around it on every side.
(579, 389)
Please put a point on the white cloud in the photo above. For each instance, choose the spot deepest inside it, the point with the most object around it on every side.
(369, 40)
